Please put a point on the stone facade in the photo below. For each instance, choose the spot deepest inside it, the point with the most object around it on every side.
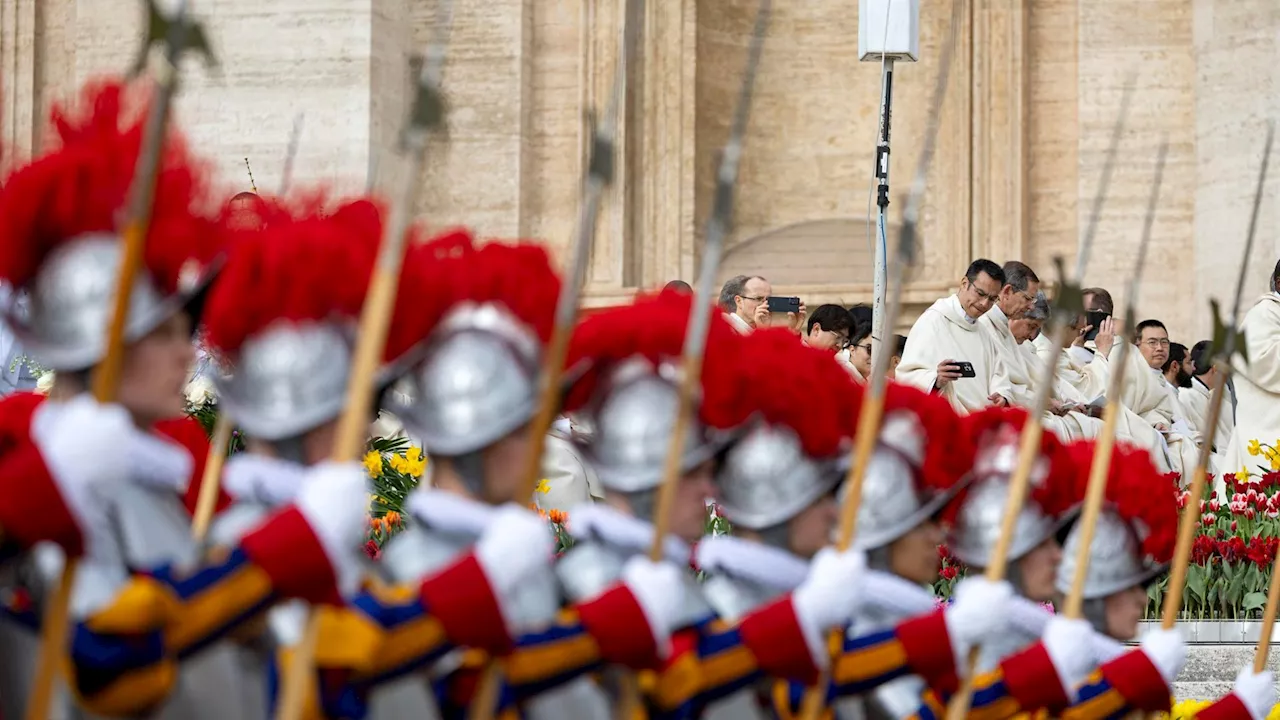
(1035, 90)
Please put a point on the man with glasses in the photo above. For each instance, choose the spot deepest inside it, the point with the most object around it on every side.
(745, 301)
(946, 341)
(1151, 396)
(828, 328)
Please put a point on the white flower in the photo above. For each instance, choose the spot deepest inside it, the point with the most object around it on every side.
(200, 391)
(45, 382)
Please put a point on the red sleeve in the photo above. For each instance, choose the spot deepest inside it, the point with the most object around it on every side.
(287, 549)
(190, 434)
(774, 636)
(462, 599)
(1139, 682)
(1033, 681)
(1230, 707)
(617, 622)
(31, 506)
(927, 644)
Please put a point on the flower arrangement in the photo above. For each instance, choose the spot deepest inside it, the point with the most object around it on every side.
(395, 467)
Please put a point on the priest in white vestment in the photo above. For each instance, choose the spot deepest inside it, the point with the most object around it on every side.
(1195, 401)
(570, 479)
(948, 333)
(1149, 394)
(1257, 383)
(1012, 338)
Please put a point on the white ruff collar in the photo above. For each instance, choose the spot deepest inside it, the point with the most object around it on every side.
(751, 561)
(265, 480)
(159, 462)
(600, 523)
(449, 512)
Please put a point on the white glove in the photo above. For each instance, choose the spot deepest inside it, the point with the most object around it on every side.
(334, 499)
(85, 446)
(1069, 644)
(1256, 690)
(1166, 650)
(979, 611)
(660, 591)
(829, 597)
(516, 544)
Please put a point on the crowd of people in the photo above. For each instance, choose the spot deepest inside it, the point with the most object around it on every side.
(986, 346)
(170, 619)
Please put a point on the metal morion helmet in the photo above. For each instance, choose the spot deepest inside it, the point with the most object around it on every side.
(795, 451)
(1136, 531)
(979, 511)
(922, 459)
(283, 312)
(624, 362)
(469, 333)
(58, 233)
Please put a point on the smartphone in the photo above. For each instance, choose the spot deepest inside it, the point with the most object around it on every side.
(965, 368)
(1094, 319)
(784, 304)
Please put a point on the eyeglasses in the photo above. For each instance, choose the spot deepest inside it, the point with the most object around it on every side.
(866, 348)
(1156, 343)
(753, 299)
(982, 295)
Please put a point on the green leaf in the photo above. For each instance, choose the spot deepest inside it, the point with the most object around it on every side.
(1254, 601)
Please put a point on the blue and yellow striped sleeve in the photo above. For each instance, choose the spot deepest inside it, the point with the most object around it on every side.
(1023, 682)
(1129, 683)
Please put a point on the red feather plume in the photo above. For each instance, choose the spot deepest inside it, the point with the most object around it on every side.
(1056, 494)
(802, 388)
(1136, 491)
(451, 269)
(82, 187)
(948, 448)
(313, 264)
(654, 327)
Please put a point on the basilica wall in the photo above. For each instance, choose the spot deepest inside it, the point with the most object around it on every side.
(1034, 92)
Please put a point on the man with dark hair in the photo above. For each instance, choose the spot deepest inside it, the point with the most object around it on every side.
(1098, 299)
(679, 286)
(1019, 291)
(1195, 399)
(858, 357)
(899, 347)
(1150, 395)
(828, 328)
(1177, 369)
(946, 342)
(862, 314)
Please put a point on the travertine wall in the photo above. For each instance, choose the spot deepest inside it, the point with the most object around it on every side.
(1034, 93)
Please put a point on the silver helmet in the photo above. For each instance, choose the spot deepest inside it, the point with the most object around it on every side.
(72, 296)
(288, 379)
(476, 382)
(767, 479)
(977, 529)
(893, 502)
(1116, 560)
(632, 414)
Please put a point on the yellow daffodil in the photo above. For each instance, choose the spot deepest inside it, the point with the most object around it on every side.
(412, 463)
(373, 463)
(543, 487)
(1254, 448)
(1243, 473)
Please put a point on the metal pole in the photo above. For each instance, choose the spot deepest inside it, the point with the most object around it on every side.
(878, 330)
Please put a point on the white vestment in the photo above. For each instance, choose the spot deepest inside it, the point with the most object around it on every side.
(1257, 385)
(945, 332)
(738, 323)
(570, 479)
(1149, 395)
(1195, 401)
(1024, 370)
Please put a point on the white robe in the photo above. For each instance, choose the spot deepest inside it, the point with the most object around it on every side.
(1025, 370)
(945, 332)
(570, 479)
(1083, 378)
(1195, 401)
(1149, 395)
(1257, 385)
(742, 326)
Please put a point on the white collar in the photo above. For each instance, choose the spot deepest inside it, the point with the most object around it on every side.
(751, 561)
(959, 311)
(265, 480)
(600, 523)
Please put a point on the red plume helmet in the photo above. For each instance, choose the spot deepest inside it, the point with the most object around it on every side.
(1055, 494)
(82, 185)
(654, 327)
(801, 388)
(1136, 491)
(451, 270)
